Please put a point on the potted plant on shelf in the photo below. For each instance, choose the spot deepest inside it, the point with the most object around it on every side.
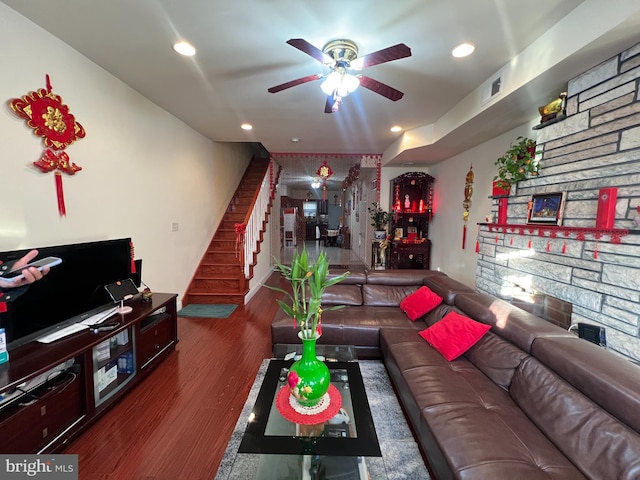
(308, 378)
(379, 218)
(517, 163)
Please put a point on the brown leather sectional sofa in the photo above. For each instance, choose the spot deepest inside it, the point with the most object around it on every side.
(528, 401)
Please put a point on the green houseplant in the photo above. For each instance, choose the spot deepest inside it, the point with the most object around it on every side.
(517, 163)
(379, 220)
(308, 377)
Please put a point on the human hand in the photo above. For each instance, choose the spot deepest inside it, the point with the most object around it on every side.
(30, 274)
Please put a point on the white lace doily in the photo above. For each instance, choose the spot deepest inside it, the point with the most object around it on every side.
(319, 407)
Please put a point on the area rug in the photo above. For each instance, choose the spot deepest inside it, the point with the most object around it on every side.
(401, 457)
(214, 310)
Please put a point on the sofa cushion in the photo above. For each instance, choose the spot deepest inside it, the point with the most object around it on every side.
(454, 335)
(342, 295)
(419, 303)
(396, 277)
(357, 276)
(453, 406)
(600, 374)
(596, 442)
(497, 358)
(446, 287)
(519, 327)
(386, 295)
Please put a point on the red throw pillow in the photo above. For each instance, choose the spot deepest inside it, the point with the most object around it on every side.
(419, 303)
(454, 334)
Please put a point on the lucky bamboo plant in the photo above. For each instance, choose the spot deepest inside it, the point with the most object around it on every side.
(308, 283)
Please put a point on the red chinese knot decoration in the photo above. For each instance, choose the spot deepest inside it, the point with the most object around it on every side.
(50, 119)
(324, 172)
(240, 229)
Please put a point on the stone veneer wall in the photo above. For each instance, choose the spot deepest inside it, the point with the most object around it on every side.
(596, 146)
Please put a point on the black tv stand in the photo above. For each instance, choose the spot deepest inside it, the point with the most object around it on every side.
(106, 366)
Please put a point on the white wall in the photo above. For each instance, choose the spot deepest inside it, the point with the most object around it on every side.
(446, 228)
(142, 168)
(445, 231)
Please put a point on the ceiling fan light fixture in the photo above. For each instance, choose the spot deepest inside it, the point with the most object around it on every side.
(396, 128)
(331, 83)
(350, 82)
(341, 83)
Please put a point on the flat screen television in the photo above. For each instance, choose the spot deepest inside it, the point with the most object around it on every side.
(72, 290)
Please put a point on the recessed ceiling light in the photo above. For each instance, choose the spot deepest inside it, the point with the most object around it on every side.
(463, 50)
(295, 140)
(185, 48)
(396, 128)
(246, 126)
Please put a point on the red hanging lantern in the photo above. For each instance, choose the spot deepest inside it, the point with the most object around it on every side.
(324, 172)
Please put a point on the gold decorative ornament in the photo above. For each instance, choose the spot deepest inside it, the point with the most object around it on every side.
(468, 192)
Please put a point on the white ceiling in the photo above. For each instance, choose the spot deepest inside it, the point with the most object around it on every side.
(241, 51)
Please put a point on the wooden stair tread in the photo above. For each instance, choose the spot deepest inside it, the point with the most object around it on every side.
(219, 294)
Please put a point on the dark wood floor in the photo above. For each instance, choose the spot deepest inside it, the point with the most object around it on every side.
(177, 423)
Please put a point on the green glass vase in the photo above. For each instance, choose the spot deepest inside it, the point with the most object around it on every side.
(308, 377)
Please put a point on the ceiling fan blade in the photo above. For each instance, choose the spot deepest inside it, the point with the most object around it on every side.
(293, 83)
(380, 88)
(311, 50)
(382, 56)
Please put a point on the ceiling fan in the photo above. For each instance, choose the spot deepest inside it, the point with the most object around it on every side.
(342, 57)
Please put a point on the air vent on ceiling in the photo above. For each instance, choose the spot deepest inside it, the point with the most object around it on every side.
(492, 88)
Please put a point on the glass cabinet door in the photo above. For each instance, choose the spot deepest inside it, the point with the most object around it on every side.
(114, 365)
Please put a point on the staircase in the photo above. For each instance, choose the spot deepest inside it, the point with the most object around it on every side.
(222, 276)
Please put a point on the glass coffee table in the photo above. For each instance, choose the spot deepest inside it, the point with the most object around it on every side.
(344, 447)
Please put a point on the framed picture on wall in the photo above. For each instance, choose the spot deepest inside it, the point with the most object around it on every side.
(546, 209)
(399, 233)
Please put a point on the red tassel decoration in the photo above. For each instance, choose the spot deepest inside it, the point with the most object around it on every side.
(595, 252)
(132, 255)
(564, 247)
(464, 236)
(477, 246)
(60, 192)
(529, 244)
(511, 241)
(496, 238)
(548, 245)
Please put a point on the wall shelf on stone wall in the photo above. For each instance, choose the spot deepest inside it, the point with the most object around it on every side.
(558, 118)
(554, 231)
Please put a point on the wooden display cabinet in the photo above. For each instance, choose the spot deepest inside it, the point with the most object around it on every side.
(411, 207)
